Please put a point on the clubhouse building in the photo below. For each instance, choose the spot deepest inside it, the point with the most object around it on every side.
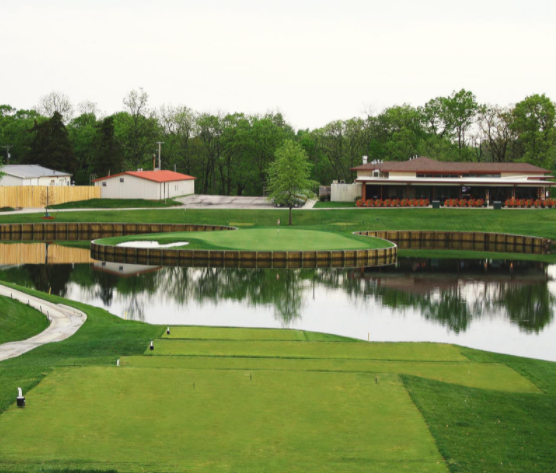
(425, 178)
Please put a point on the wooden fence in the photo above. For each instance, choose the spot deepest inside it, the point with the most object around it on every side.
(36, 196)
(42, 253)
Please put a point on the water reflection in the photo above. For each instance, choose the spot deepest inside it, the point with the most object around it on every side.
(498, 305)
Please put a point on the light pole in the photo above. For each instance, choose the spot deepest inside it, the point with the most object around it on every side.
(159, 143)
(8, 152)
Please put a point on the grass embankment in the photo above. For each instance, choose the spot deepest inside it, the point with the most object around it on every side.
(275, 239)
(19, 321)
(116, 204)
(244, 400)
(523, 222)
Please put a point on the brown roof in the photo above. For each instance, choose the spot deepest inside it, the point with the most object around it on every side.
(430, 166)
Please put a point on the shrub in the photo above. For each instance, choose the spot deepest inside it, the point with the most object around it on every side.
(360, 203)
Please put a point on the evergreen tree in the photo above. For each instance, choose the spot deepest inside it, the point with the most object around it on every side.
(51, 146)
(108, 158)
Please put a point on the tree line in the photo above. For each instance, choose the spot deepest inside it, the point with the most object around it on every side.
(230, 153)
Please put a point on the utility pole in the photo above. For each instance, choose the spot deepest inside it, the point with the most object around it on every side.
(159, 143)
(8, 152)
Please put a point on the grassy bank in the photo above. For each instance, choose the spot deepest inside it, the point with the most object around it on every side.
(523, 222)
(244, 400)
(116, 204)
(275, 239)
(19, 321)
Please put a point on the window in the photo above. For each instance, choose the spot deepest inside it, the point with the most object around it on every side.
(121, 179)
(104, 184)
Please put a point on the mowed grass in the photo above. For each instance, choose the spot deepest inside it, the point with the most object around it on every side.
(265, 239)
(236, 333)
(251, 412)
(294, 349)
(219, 421)
(19, 321)
(495, 376)
(116, 204)
(521, 222)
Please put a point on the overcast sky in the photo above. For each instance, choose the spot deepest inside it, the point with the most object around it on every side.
(315, 61)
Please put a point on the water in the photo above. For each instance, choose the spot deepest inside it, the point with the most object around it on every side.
(494, 305)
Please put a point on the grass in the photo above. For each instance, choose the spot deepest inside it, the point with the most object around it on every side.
(317, 349)
(19, 321)
(523, 222)
(333, 205)
(115, 204)
(254, 400)
(264, 239)
(494, 376)
(220, 421)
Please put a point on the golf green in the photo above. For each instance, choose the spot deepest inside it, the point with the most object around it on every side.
(264, 239)
(166, 420)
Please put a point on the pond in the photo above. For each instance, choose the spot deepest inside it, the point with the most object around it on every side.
(496, 305)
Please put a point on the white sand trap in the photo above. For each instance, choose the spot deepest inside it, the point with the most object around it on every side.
(150, 244)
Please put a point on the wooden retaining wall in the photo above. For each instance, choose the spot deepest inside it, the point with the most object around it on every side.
(467, 241)
(174, 257)
(88, 231)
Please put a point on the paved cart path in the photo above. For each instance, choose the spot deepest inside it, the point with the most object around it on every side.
(64, 322)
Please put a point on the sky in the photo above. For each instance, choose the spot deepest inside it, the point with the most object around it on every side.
(315, 61)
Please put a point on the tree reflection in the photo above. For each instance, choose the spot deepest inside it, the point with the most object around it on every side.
(448, 293)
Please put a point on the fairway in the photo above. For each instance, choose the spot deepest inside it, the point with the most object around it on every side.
(287, 349)
(219, 421)
(264, 239)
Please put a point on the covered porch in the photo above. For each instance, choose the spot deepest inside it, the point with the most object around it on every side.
(442, 192)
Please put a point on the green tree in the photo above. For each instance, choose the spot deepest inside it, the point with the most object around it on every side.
(534, 122)
(289, 175)
(14, 131)
(108, 157)
(82, 131)
(51, 146)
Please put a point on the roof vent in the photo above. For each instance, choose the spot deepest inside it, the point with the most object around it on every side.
(365, 159)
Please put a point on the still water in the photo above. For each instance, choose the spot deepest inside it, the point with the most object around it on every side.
(495, 305)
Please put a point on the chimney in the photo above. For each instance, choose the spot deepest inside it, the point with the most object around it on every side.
(365, 159)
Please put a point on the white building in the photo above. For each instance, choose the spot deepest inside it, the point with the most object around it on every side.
(149, 185)
(33, 175)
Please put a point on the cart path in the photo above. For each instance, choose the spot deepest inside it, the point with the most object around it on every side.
(64, 322)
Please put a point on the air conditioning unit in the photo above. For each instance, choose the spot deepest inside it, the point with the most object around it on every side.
(342, 182)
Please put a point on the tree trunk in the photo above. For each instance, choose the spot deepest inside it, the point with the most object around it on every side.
(290, 216)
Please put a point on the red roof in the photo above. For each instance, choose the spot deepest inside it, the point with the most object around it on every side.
(430, 166)
(156, 176)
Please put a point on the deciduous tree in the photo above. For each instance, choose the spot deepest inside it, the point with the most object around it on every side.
(289, 176)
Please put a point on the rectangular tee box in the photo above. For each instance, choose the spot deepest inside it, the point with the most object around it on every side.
(293, 349)
(218, 421)
(233, 333)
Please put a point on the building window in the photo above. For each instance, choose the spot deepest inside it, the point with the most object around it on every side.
(104, 184)
(121, 179)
